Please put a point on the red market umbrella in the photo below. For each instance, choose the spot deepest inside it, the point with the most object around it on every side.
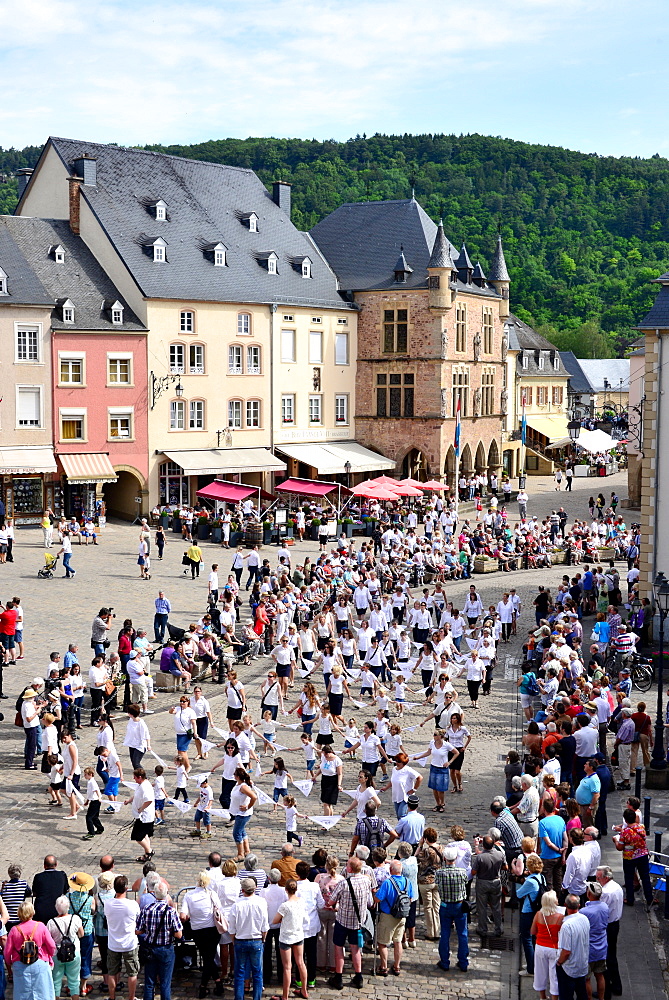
(369, 488)
(406, 490)
(383, 493)
(432, 484)
(411, 482)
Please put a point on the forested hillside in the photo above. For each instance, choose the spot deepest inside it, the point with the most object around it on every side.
(583, 234)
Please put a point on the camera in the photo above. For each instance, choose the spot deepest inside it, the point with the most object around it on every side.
(111, 612)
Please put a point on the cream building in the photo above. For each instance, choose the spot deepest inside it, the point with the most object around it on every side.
(250, 344)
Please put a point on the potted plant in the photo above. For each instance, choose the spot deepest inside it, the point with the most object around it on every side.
(216, 531)
(348, 526)
(267, 530)
(236, 534)
(485, 564)
(203, 528)
(176, 521)
(164, 519)
(291, 527)
(315, 525)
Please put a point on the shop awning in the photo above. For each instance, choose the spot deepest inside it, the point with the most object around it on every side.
(231, 492)
(310, 487)
(83, 468)
(331, 458)
(17, 461)
(552, 428)
(211, 461)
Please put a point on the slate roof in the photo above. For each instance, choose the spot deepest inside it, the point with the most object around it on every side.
(206, 203)
(611, 369)
(578, 381)
(441, 250)
(523, 338)
(23, 286)
(658, 317)
(80, 278)
(498, 269)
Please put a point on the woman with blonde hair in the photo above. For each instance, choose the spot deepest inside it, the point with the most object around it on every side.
(34, 981)
(307, 707)
(532, 886)
(545, 929)
(326, 881)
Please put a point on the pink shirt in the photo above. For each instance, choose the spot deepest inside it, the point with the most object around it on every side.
(40, 935)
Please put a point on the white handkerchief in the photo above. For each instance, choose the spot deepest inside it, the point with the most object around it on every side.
(159, 759)
(291, 725)
(279, 746)
(116, 806)
(304, 786)
(263, 798)
(207, 746)
(361, 704)
(409, 729)
(183, 807)
(131, 784)
(223, 813)
(197, 778)
(257, 771)
(222, 732)
(327, 822)
(352, 795)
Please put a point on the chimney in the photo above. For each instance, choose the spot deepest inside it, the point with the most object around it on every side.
(23, 177)
(75, 184)
(86, 167)
(281, 196)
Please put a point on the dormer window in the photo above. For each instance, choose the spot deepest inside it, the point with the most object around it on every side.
(271, 265)
(58, 254)
(68, 311)
(217, 253)
(158, 253)
(117, 314)
(250, 220)
(219, 258)
(3, 283)
(556, 362)
(526, 362)
(155, 247)
(306, 268)
(540, 361)
(161, 211)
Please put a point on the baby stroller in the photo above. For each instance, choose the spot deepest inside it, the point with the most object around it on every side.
(49, 568)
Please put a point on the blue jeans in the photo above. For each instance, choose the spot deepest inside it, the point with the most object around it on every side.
(239, 828)
(66, 564)
(248, 962)
(401, 809)
(183, 742)
(158, 968)
(524, 926)
(86, 951)
(449, 914)
(159, 626)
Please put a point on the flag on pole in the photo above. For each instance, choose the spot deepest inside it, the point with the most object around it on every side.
(457, 429)
(523, 425)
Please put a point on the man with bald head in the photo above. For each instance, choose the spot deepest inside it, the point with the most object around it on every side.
(390, 929)
(47, 886)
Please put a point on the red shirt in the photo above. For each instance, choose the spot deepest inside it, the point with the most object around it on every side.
(8, 621)
(124, 644)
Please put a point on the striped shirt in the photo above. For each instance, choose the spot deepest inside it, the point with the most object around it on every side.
(13, 892)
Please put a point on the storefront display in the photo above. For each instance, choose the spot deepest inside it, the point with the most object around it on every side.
(81, 500)
(25, 497)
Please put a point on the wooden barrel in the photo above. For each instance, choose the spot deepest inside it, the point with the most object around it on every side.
(253, 534)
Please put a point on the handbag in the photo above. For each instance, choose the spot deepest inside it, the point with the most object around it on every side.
(219, 919)
(109, 687)
(366, 925)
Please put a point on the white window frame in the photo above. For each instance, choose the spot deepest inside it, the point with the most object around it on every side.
(235, 414)
(175, 367)
(306, 268)
(271, 265)
(540, 362)
(288, 409)
(341, 404)
(342, 321)
(253, 350)
(235, 351)
(121, 413)
(316, 320)
(39, 389)
(342, 334)
(244, 324)
(70, 356)
(117, 315)
(285, 358)
(68, 314)
(316, 356)
(28, 328)
(195, 421)
(315, 409)
(73, 413)
(288, 318)
(193, 350)
(556, 363)
(120, 356)
(177, 414)
(186, 321)
(219, 258)
(253, 223)
(251, 405)
(3, 283)
(525, 362)
(161, 211)
(158, 253)
(59, 255)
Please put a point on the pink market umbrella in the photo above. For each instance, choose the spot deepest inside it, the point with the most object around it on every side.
(411, 482)
(382, 493)
(432, 484)
(370, 488)
(405, 490)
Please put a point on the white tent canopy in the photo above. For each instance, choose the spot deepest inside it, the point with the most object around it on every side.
(592, 441)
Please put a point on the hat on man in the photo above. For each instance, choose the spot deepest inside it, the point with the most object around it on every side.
(413, 799)
(450, 854)
(81, 882)
(29, 693)
(133, 654)
(599, 756)
(591, 707)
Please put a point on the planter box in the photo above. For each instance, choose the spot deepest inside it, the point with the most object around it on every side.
(267, 536)
(313, 532)
(581, 471)
(349, 530)
(176, 525)
(203, 531)
(606, 553)
(485, 566)
(557, 558)
(290, 531)
(216, 535)
(164, 519)
(236, 538)
(369, 528)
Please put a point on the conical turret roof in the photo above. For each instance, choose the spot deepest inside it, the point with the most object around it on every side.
(441, 250)
(498, 269)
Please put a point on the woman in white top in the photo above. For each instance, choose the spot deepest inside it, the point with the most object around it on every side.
(371, 749)
(184, 723)
(242, 800)
(403, 781)
(271, 695)
(203, 719)
(348, 648)
(335, 688)
(230, 761)
(71, 772)
(69, 925)
(137, 736)
(197, 907)
(236, 699)
(459, 737)
(78, 688)
(292, 915)
(365, 792)
(476, 672)
(307, 641)
(441, 755)
(324, 630)
(427, 663)
(308, 704)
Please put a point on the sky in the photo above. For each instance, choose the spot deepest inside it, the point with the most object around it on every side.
(589, 75)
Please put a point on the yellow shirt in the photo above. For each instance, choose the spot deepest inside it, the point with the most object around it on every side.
(195, 553)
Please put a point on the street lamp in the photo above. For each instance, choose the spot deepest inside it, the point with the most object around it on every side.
(347, 470)
(574, 428)
(661, 590)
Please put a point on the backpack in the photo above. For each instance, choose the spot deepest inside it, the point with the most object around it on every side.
(531, 687)
(375, 834)
(535, 904)
(401, 905)
(28, 952)
(66, 951)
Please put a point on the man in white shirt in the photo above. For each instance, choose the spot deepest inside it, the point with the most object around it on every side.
(312, 897)
(248, 923)
(123, 947)
(505, 612)
(144, 813)
(591, 841)
(613, 896)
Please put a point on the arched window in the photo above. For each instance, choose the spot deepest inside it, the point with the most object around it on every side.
(253, 366)
(244, 325)
(177, 415)
(187, 321)
(196, 359)
(196, 415)
(235, 414)
(235, 362)
(253, 413)
(177, 359)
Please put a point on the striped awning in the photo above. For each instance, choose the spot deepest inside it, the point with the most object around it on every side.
(92, 467)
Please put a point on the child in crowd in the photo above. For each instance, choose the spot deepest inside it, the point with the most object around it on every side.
(203, 811)
(393, 745)
(159, 793)
(93, 801)
(281, 779)
(56, 780)
(351, 735)
(309, 754)
(291, 820)
(182, 768)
